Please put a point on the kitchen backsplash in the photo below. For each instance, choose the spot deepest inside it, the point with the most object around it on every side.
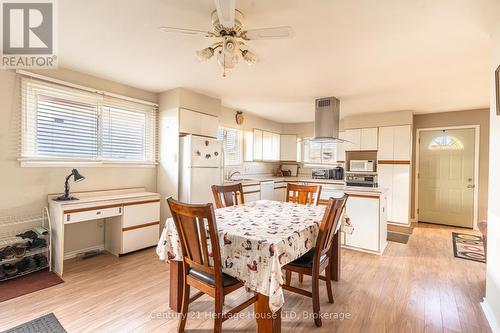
(252, 169)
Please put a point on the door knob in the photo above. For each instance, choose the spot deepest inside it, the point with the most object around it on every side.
(471, 186)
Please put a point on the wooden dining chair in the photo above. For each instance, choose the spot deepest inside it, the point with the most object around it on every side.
(303, 194)
(202, 264)
(317, 260)
(228, 195)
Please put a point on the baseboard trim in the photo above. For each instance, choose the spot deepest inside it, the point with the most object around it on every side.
(490, 317)
(73, 254)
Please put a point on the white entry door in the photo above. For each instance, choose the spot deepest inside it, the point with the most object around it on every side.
(446, 177)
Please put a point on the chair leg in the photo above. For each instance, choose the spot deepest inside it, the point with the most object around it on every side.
(315, 299)
(301, 277)
(219, 305)
(185, 306)
(328, 276)
(288, 278)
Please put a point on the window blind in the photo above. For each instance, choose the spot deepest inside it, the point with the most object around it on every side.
(63, 123)
(232, 145)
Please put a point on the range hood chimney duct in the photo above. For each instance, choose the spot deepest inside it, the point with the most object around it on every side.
(326, 120)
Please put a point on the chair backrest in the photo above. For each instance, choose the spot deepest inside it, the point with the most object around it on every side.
(303, 194)
(228, 195)
(329, 225)
(192, 223)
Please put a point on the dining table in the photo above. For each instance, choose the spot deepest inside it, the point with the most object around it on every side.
(256, 240)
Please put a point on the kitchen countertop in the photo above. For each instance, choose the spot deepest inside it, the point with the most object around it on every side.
(333, 185)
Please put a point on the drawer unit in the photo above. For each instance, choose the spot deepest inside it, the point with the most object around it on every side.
(140, 238)
(141, 213)
(75, 215)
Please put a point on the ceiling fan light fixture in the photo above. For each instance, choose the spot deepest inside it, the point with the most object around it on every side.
(205, 54)
(249, 57)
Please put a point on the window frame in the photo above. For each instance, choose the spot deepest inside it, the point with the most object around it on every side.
(240, 145)
(31, 88)
(303, 150)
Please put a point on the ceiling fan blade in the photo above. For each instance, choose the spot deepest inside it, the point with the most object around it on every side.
(268, 33)
(186, 31)
(225, 12)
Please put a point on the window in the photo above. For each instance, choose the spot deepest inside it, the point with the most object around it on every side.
(232, 145)
(446, 142)
(318, 152)
(67, 124)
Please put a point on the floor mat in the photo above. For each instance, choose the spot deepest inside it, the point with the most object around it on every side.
(27, 284)
(398, 237)
(45, 324)
(468, 247)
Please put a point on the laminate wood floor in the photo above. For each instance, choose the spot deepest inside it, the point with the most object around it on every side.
(414, 287)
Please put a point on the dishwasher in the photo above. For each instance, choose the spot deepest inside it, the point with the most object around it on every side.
(267, 190)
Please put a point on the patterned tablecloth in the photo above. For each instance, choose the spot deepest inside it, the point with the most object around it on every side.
(256, 240)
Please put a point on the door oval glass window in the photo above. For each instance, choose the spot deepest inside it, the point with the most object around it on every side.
(446, 142)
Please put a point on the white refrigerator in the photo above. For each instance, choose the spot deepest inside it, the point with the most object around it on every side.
(200, 167)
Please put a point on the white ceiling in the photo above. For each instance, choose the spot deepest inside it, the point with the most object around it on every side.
(374, 55)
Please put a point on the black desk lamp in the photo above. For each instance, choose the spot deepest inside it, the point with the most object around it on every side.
(77, 177)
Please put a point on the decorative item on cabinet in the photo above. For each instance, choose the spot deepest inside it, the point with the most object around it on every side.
(239, 118)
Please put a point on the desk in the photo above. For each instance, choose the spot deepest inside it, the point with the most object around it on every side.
(132, 220)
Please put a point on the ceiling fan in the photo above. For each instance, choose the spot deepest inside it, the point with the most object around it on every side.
(228, 28)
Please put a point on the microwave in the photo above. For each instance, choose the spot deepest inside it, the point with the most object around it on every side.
(362, 165)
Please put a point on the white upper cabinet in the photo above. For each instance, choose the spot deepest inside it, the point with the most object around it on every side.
(402, 143)
(247, 146)
(257, 144)
(394, 143)
(191, 122)
(359, 139)
(267, 146)
(341, 148)
(276, 147)
(369, 138)
(288, 147)
(353, 136)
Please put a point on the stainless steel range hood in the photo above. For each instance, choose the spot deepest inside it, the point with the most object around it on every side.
(326, 120)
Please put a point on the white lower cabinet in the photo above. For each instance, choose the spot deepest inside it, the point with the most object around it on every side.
(251, 193)
(140, 238)
(280, 193)
(363, 214)
(396, 179)
(140, 226)
(253, 196)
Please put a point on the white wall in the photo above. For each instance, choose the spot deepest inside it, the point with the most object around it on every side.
(492, 300)
(227, 118)
(24, 190)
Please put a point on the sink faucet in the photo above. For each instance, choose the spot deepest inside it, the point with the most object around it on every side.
(233, 174)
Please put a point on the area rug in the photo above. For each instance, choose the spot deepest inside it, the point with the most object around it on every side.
(398, 237)
(45, 324)
(27, 284)
(468, 247)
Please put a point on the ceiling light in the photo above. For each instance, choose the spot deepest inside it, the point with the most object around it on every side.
(227, 62)
(205, 54)
(249, 57)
